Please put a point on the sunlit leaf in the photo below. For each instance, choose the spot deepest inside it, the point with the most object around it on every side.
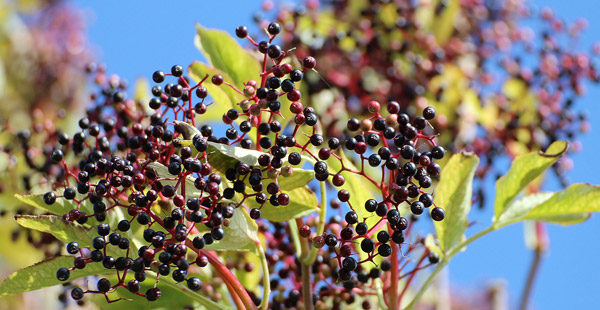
(187, 130)
(163, 172)
(60, 207)
(62, 230)
(43, 274)
(519, 208)
(225, 156)
(303, 201)
(299, 178)
(523, 170)
(223, 96)
(566, 207)
(453, 193)
(360, 190)
(573, 202)
(444, 22)
(225, 53)
(240, 235)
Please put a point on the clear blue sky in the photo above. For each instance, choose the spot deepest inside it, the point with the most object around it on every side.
(135, 38)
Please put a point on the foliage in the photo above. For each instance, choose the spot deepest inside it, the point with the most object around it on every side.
(153, 202)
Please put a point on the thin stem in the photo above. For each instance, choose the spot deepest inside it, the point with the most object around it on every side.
(321, 227)
(541, 238)
(266, 281)
(393, 298)
(295, 236)
(235, 296)
(228, 277)
(530, 279)
(306, 274)
(455, 250)
(306, 287)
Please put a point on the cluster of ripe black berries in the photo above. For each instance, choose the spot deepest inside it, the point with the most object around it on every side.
(406, 155)
(179, 195)
(119, 154)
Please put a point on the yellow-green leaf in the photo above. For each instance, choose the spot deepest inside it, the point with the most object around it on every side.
(187, 130)
(523, 170)
(444, 24)
(453, 193)
(360, 190)
(43, 274)
(225, 53)
(570, 206)
(519, 208)
(298, 178)
(232, 154)
(240, 235)
(163, 172)
(303, 201)
(60, 207)
(223, 96)
(575, 201)
(62, 230)
(432, 246)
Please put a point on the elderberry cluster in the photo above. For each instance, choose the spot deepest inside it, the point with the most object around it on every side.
(136, 162)
(163, 189)
(407, 173)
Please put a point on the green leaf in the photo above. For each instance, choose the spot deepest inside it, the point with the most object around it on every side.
(225, 53)
(187, 130)
(523, 170)
(519, 208)
(60, 207)
(303, 201)
(564, 219)
(567, 205)
(163, 172)
(298, 178)
(226, 156)
(174, 296)
(224, 97)
(453, 193)
(198, 297)
(62, 230)
(240, 235)
(43, 274)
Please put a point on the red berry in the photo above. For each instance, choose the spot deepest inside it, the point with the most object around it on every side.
(373, 106)
(338, 180)
(305, 231)
(309, 62)
(217, 79)
(360, 147)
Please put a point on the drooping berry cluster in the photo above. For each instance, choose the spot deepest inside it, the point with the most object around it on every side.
(171, 182)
